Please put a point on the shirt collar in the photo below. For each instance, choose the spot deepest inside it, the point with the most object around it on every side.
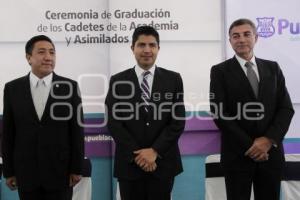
(139, 71)
(242, 61)
(34, 79)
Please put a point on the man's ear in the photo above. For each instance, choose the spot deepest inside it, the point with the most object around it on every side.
(28, 58)
(256, 38)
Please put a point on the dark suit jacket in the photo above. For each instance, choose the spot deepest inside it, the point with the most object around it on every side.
(42, 153)
(134, 129)
(231, 93)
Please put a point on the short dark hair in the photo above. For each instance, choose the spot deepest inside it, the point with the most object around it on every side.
(144, 30)
(240, 22)
(30, 43)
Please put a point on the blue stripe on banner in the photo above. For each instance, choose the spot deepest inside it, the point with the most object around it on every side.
(94, 115)
(187, 113)
(291, 140)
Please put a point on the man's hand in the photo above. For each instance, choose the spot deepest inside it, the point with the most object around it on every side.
(150, 167)
(146, 159)
(11, 182)
(259, 149)
(74, 179)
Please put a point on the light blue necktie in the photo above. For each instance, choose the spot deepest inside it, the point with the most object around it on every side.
(39, 98)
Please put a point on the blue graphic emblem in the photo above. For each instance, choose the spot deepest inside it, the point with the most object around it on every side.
(265, 26)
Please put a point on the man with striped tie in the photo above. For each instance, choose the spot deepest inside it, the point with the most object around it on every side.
(146, 117)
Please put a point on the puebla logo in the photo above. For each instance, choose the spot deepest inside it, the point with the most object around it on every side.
(265, 27)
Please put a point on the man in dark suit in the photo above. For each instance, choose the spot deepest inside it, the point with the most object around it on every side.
(252, 108)
(42, 145)
(146, 117)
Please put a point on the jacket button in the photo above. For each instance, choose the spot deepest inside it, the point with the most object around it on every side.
(147, 124)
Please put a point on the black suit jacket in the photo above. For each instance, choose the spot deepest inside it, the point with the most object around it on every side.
(232, 96)
(132, 128)
(42, 153)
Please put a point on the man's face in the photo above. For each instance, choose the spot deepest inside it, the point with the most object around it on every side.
(145, 51)
(42, 58)
(242, 39)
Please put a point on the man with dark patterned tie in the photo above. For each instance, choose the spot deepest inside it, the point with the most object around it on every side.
(146, 117)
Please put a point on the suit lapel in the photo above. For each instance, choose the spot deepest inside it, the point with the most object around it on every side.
(240, 76)
(55, 89)
(156, 89)
(263, 73)
(134, 79)
(157, 80)
(28, 99)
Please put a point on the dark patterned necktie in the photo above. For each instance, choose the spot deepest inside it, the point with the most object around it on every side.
(251, 75)
(145, 90)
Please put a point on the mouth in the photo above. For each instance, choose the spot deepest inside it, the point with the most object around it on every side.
(47, 64)
(242, 47)
(146, 57)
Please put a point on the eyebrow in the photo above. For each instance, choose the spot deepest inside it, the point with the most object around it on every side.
(43, 48)
(147, 42)
(237, 33)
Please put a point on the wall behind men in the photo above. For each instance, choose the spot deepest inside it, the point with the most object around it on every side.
(93, 40)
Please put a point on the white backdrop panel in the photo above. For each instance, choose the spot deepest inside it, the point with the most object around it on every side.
(190, 49)
(198, 20)
(192, 60)
(284, 45)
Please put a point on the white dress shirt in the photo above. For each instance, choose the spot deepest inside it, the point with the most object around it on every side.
(40, 97)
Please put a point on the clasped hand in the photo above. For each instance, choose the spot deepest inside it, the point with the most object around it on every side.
(259, 149)
(145, 158)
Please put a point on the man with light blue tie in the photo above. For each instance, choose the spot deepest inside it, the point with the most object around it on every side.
(42, 142)
(146, 117)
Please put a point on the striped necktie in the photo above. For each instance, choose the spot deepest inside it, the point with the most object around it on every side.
(145, 89)
(253, 80)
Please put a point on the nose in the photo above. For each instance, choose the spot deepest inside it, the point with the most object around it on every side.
(48, 56)
(147, 48)
(242, 38)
